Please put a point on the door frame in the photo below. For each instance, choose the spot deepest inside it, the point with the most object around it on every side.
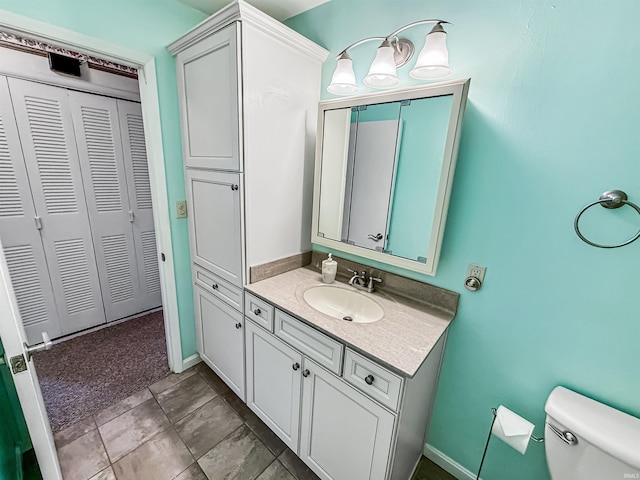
(148, 85)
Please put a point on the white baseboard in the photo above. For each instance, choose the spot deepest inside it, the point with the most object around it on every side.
(190, 362)
(448, 463)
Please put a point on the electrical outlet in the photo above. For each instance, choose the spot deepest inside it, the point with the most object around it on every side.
(477, 271)
(181, 209)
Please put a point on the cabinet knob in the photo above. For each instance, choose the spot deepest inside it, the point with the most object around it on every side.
(305, 372)
(234, 187)
(238, 325)
(369, 379)
(215, 286)
(295, 366)
(257, 311)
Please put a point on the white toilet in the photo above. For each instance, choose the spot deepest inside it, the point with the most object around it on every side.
(587, 440)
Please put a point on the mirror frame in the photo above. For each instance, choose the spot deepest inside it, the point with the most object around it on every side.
(459, 89)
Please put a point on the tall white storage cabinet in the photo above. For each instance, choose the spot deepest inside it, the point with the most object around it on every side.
(248, 88)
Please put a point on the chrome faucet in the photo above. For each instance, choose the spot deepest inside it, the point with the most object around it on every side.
(360, 281)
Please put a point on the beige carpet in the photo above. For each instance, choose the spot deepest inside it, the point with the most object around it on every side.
(82, 376)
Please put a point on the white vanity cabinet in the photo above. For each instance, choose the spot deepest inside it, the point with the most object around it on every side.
(220, 338)
(345, 415)
(344, 435)
(273, 383)
(248, 89)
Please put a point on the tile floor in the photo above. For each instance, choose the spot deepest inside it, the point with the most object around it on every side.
(187, 426)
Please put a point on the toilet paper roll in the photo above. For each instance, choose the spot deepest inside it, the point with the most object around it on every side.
(512, 429)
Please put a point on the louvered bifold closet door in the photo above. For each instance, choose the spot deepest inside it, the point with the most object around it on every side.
(95, 119)
(19, 234)
(44, 122)
(144, 237)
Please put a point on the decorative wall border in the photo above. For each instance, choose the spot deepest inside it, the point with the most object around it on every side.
(37, 47)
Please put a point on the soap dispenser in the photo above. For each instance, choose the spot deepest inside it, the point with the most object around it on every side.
(329, 270)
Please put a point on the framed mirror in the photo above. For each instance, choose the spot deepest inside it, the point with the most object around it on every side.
(383, 173)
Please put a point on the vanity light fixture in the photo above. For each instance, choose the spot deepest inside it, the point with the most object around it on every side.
(394, 52)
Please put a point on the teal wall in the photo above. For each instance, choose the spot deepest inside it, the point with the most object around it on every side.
(146, 26)
(551, 123)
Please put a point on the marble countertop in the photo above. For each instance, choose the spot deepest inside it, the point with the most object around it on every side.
(401, 340)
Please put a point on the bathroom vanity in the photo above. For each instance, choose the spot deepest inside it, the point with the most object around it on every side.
(353, 400)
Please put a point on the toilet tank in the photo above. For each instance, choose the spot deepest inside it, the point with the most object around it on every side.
(607, 441)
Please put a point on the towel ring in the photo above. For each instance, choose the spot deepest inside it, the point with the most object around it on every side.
(611, 199)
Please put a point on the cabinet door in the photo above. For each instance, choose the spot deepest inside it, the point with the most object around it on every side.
(219, 330)
(209, 101)
(215, 222)
(344, 435)
(46, 132)
(273, 383)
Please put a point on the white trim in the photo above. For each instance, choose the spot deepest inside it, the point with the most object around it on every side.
(240, 10)
(160, 198)
(191, 361)
(153, 137)
(447, 463)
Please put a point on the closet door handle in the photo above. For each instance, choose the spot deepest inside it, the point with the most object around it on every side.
(130, 216)
(38, 222)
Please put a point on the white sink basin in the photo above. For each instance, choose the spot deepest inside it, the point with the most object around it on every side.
(340, 303)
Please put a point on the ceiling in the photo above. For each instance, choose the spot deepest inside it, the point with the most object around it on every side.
(278, 9)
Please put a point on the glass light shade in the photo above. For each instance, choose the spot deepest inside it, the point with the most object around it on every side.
(343, 81)
(433, 61)
(382, 73)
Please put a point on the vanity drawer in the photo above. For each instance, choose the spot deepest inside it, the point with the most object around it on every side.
(385, 386)
(315, 345)
(218, 287)
(258, 311)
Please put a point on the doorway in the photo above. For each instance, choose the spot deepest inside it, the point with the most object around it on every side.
(13, 335)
